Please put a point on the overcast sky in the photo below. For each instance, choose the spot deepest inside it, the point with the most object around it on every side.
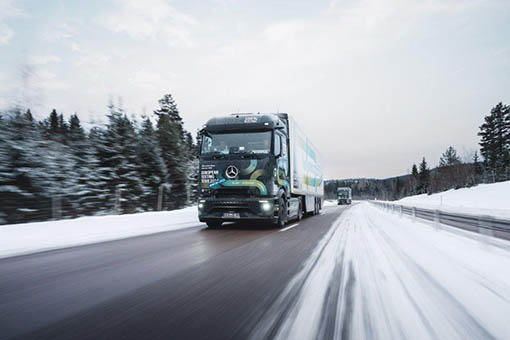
(375, 84)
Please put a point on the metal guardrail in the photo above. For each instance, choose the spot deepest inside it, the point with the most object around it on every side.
(481, 224)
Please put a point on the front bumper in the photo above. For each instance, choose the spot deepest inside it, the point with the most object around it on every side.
(213, 209)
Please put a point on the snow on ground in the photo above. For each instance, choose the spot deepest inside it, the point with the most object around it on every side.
(328, 203)
(484, 199)
(379, 276)
(40, 236)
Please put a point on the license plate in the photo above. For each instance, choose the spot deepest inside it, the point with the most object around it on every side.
(231, 215)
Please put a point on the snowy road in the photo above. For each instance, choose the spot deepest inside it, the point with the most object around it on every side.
(382, 277)
(350, 273)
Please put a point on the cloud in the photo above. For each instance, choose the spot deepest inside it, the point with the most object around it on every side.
(47, 80)
(63, 30)
(153, 19)
(7, 10)
(43, 59)
(75, 46)
(149, 80)
(93, 60)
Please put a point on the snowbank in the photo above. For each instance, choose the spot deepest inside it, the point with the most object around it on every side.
(484, 199)
(39, 236)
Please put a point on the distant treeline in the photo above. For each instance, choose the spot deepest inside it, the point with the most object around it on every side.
(54, 168)
(451, 173)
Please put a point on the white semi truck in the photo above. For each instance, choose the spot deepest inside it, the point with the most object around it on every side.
(257, 167)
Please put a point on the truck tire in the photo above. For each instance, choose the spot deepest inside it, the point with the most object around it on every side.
(300, 211)
(316, 209)
(214, 224)
(282, 212)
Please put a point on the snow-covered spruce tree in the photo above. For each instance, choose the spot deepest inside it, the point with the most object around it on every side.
(117, 146)
(449, 157)
(424, 177)
(170, 135)
(22, 169)
(450, 174)
(506, 114)
(414, 180)
(103, 169)
(193, 167)
(90, 188)
(153, 172)
(53, 122)
(494, 140)
(60, 177)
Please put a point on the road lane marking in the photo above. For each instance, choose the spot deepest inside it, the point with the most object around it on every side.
(289, 227)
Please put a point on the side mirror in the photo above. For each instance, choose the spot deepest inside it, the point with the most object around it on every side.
(277, 146)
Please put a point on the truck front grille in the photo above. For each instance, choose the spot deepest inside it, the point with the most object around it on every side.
(233, 193)
(230, 205)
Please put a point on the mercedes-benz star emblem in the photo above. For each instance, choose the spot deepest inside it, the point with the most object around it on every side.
(231, 172)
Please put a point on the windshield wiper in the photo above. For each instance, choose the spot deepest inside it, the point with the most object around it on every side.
(247, 153)
(214, 154)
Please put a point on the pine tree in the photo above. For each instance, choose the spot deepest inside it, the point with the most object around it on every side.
(449, 157)
(153, 172)
(62, 127)
(415, 179)
(90, 189)
(118, 157)
(494, 139)
(449, 175)
(171, 141)
(22, 170)
(53, 122)
(398, 189)
(424, 177)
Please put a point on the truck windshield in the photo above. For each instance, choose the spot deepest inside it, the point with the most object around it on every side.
(231, 143)
(343, 193)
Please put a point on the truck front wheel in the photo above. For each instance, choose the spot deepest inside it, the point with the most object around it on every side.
(282, 212)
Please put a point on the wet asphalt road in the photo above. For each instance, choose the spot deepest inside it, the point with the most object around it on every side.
(187, 284)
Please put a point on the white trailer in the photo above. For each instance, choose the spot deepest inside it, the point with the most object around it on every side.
(306, 175)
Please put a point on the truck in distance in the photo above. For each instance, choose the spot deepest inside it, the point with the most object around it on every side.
(257, 167)
(344, 195)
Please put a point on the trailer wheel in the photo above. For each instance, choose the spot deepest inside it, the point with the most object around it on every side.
(300, 211)
(214, 224)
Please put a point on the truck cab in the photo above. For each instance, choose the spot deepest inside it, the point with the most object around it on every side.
(344, 196)
(245, 170)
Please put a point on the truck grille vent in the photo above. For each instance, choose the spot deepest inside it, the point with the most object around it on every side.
(229, 193)
(230, 205)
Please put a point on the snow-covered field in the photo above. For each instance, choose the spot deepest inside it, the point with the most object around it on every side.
(386, 277)
(40, 236)
(484, 199)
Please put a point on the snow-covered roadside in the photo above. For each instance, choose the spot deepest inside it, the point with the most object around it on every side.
(329, 203)
(484, 199)
(28, 238)
(380, 276)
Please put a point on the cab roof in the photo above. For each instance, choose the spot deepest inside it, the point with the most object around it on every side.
(245, 122)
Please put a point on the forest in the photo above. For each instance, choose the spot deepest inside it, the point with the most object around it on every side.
(54, 168)
(488, 165)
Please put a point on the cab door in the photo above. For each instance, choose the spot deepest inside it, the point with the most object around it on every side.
(282, 161)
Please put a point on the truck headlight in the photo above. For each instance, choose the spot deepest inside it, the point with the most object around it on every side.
(265, 205)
